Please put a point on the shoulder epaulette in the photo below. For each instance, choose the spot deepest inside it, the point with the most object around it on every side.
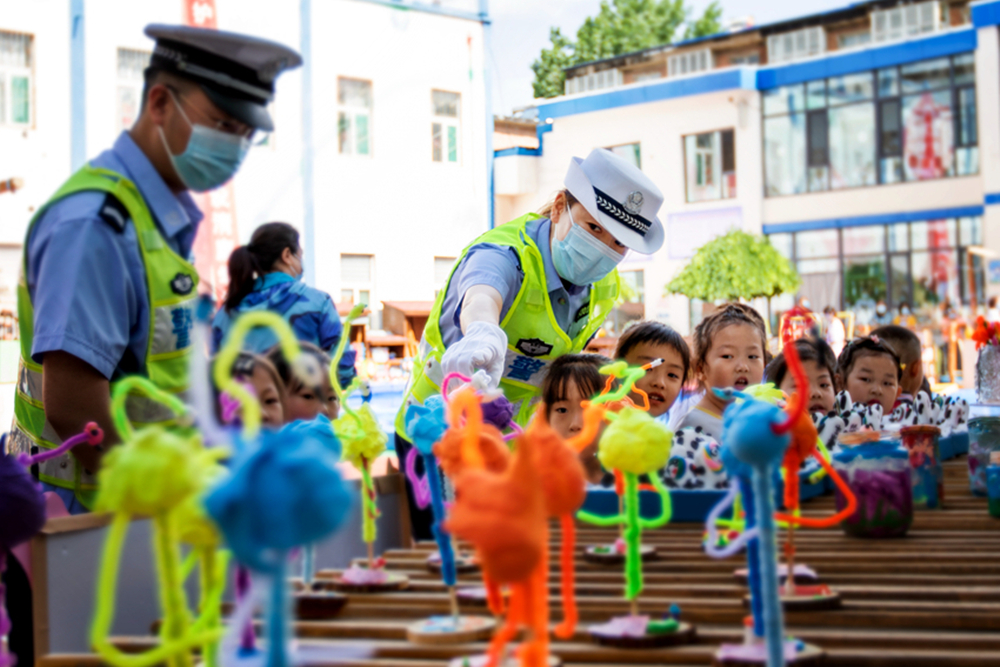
(114, 213)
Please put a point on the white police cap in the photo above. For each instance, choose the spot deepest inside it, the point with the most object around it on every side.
(620, 197)
(237, 72)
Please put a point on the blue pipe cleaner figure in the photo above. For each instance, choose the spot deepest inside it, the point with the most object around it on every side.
(284, 492)
(754, 439)
(425, 425)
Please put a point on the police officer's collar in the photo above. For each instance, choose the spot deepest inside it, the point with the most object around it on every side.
(172, 212)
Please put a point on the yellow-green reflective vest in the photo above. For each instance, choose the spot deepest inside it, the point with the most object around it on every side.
(534, 337)
(171, 289)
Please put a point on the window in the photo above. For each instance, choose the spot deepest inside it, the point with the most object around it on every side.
(689, 63)
(354, 116)
(909, 123)
(852, 146)
(131, 64)
(710, 166)
(608, 78)
(445, 109)
(920, 263)
(853, 39)
(356, 278)
(630, 152)
(16, 84)
(785, 154)
(797, 44)
(905, 21)
(745, 59)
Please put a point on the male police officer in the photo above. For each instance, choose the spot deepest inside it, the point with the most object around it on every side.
(106, 287)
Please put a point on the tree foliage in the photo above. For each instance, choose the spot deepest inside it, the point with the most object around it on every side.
(620, 26)
(737, 265)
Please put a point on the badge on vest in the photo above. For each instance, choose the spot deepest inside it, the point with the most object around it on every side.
(182, 284)
(533, 347)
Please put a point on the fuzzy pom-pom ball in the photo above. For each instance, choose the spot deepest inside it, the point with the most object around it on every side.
(21, 503)
(365, 440)
(426, 424)
(154, 471)
(499, 412)
(283, 493)
(635, 442)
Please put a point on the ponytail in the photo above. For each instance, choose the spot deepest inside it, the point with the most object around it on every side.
(250, 261)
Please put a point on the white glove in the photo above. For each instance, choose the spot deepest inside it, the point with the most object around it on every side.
(484, 346)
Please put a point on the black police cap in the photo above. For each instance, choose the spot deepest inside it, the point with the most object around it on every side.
(237, 72)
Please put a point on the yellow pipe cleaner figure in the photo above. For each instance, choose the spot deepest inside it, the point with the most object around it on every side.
(151, 473)
(361, 437)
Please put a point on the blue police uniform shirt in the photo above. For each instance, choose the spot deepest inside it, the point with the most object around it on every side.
(86, 277)
(500, 268)
(310, 312)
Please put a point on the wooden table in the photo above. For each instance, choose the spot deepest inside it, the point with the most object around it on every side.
(931, 599)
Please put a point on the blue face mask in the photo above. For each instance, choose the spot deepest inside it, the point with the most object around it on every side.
(211, 158)
(581, 258)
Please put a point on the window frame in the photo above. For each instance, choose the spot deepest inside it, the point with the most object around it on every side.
(880, 101)
(7, 74)
(959, 250)
(355, 111)
(719, 169)
(447, 123)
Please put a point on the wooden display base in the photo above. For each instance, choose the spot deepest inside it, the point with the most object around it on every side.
(394, 582)
(806, 598)
(464, 563)
(809, 656)
(511, 661)
(684, 634)
(318, 605)
(803, 575)
(476, 597)
(443, 630)
(612, 557)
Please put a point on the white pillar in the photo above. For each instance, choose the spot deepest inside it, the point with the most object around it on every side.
(988, 111)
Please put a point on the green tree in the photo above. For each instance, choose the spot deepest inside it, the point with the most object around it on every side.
(735, 266)
(620, 26)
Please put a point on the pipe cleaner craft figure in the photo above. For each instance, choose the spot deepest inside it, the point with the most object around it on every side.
(756, 436)
(504, 515)
(428, 428)
(635, 444)
(152, 473)
(363, 441)
(22, 506)
(285, 492)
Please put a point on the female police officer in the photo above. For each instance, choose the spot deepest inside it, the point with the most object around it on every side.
(536, 288)
(106, 288)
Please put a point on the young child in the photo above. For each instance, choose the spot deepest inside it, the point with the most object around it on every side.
(569, 380)
(820, 366)
(869, 371)
(907, 346)
(648, 341)
(730, 351)
(303, 401)
(267, 385)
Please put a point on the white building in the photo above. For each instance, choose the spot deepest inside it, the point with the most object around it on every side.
(399, 138)
(865, 142)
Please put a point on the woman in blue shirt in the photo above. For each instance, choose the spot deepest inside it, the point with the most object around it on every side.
(266, 274)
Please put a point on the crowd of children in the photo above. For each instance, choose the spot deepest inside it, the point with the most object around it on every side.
(879, 378)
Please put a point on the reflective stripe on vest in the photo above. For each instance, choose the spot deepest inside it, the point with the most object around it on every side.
(171, 289)
(534, 337)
